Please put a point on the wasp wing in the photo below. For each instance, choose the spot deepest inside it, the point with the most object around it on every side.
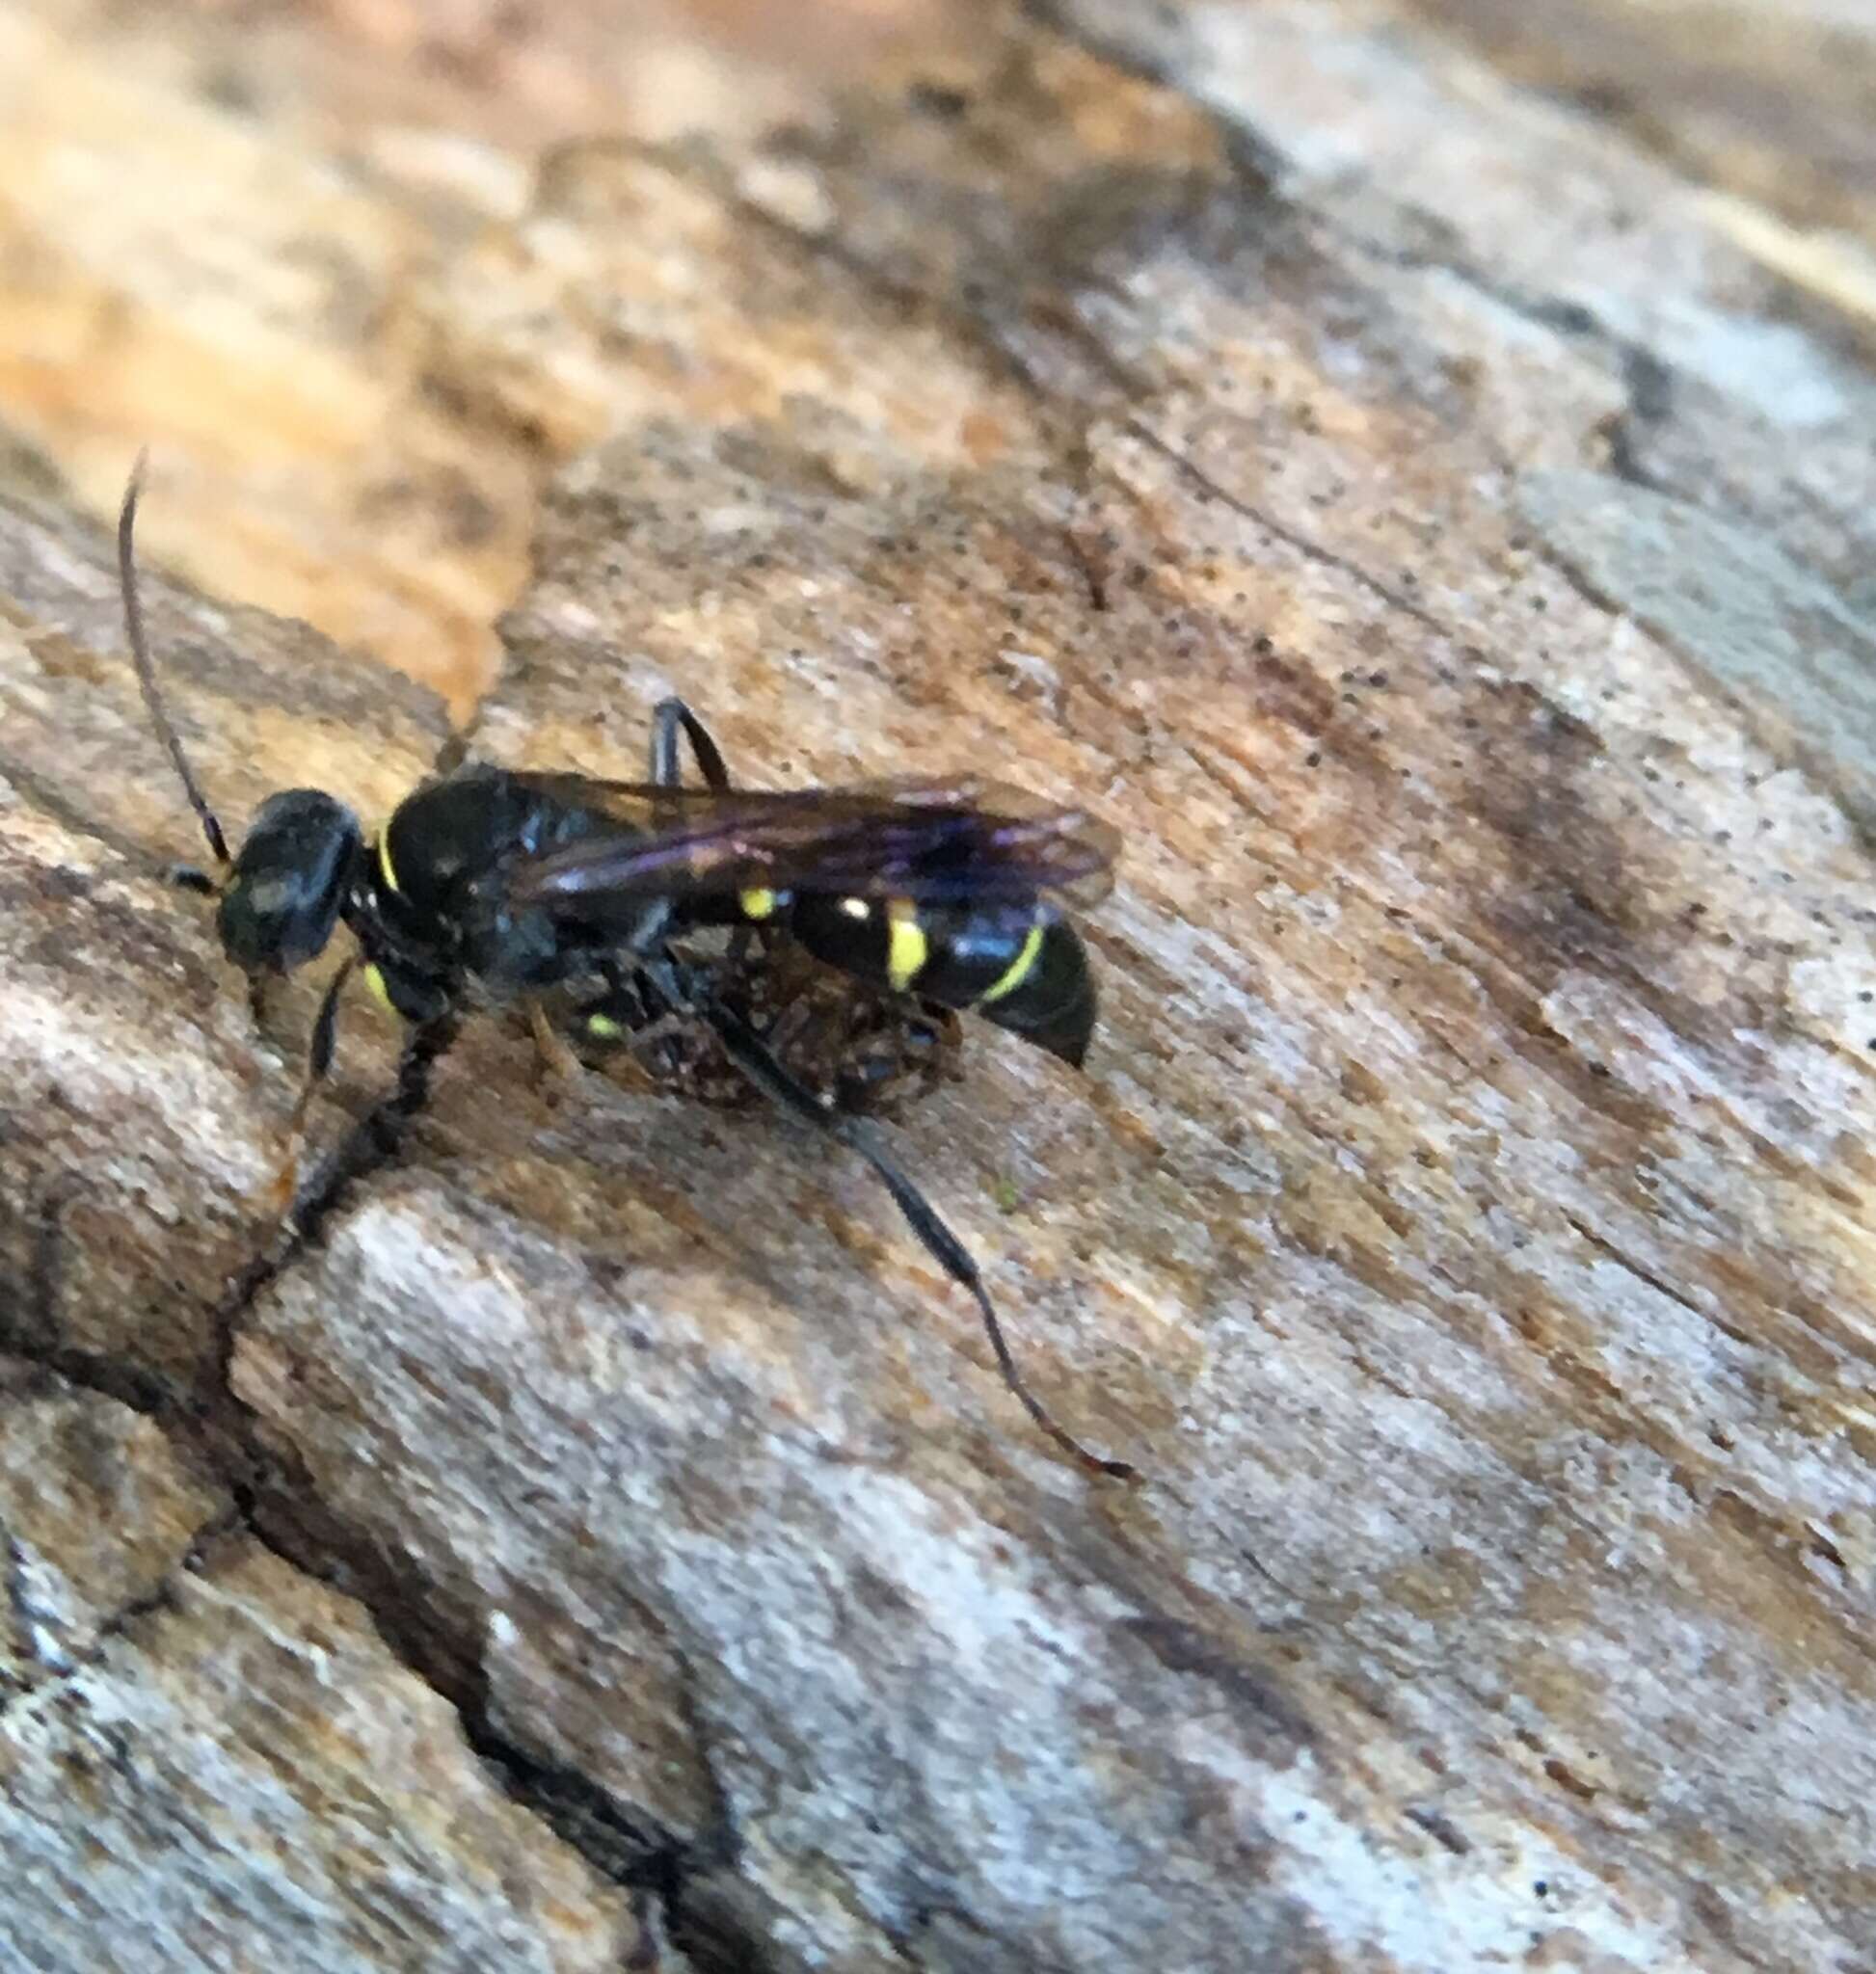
(960, 838)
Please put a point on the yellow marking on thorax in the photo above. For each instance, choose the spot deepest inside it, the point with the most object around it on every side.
(384, 858)
(757, 903)
(374, 979)
(1019, 968)
(907, 949)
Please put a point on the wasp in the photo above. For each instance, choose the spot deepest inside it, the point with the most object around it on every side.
(489, 886)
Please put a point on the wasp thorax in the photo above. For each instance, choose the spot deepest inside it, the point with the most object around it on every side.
(283, 896)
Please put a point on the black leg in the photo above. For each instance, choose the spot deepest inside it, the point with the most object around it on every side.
(375, 1140)
(746, 1050)
(319, 1063)
(370, 1145)
(672, 721)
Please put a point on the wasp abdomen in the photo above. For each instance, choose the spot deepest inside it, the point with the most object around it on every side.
(1019, 965)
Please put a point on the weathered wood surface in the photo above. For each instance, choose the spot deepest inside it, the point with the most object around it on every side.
(213, 224)
(1340, 468)
(1770, 103)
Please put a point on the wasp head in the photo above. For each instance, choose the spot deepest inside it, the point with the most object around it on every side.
(285, 888)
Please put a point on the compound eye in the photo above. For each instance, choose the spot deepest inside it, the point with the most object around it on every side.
(287, 889)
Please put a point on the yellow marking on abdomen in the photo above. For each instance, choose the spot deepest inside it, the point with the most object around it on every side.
(1018, 970)
(907, 949)
(757, 903)
(603, 1028)
(374, 979)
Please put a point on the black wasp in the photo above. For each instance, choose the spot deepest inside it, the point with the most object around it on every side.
(488, 886)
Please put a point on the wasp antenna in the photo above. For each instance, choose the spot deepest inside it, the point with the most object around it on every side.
(133, 623)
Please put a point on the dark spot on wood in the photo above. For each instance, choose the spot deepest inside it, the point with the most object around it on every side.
(1260, 1705)
(1439, 1827)
(1568, 1780)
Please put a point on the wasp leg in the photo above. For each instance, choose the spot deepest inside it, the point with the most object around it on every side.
(370, 1145)
(671, 721)
(374, 1141)
(319, 1064)
(746, 1050)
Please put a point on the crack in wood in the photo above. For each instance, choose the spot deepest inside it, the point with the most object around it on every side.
(20, 1608)
(161, 1597)
(274, 1503)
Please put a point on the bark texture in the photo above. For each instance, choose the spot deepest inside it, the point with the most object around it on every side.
(1440, 537)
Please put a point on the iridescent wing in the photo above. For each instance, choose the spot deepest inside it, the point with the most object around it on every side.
(957, 839)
